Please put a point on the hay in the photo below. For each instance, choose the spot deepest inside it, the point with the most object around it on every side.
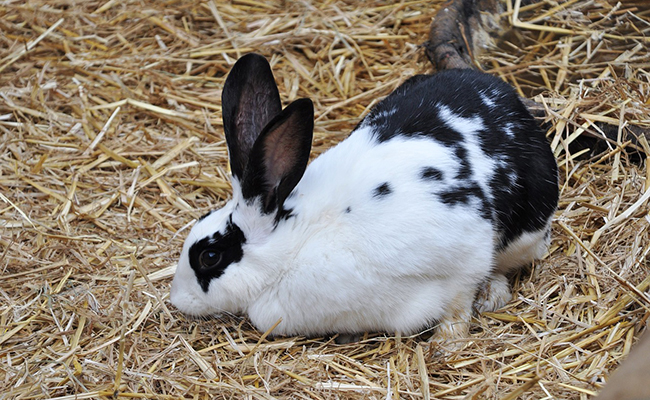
(112, 144)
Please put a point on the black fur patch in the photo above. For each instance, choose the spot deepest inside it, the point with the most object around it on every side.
(465, 171)
(464, 194)
(382, 190)
(284, 214)
(431, 174)
(527, 205)
(348, 210)
(229, 245)
(461, 194)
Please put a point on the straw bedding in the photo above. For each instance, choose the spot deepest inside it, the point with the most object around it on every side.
(112, 145)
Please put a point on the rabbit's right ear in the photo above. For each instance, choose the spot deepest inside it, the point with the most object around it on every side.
(280, 155)
(250, 99)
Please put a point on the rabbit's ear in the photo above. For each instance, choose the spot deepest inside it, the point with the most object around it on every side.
(250, 99)
(280, 155)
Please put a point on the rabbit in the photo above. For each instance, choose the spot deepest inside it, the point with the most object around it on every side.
(446, 185)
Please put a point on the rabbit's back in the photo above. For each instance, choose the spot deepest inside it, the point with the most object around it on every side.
(504, 160)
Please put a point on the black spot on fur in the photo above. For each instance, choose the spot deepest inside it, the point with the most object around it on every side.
(228, 245)
(465, 170)
(382, 190)
(348, 210)
(431, 174)
(462, 195)
(284, 214)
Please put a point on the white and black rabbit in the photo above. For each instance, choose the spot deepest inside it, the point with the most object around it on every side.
(445, 186)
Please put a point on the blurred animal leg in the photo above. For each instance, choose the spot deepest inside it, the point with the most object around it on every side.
(493, 294)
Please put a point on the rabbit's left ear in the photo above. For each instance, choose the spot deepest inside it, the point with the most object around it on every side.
(280, 155)
(250, 99)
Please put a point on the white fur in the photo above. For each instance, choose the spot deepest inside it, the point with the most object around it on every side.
(507, 129)
(527, 247)
(487, 101)
(383, 266)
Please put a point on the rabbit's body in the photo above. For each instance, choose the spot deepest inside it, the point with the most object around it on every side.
(445, 185)
(363, 266)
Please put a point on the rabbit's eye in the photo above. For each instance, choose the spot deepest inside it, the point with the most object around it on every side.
(210, 258)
